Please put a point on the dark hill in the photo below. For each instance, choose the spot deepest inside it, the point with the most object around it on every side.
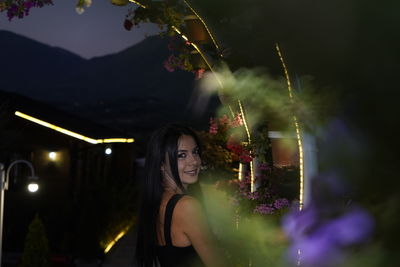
(130, 90)
(26, 63)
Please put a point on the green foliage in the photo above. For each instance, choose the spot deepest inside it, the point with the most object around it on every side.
(165, 14)
(36, 249)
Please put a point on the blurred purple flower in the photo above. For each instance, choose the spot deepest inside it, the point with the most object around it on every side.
(264, 209)
(353, 227)
(314, 251)
(320, 242)
(297, 224)
(253, 195)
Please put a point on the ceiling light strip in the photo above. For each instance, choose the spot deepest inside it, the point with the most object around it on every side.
(71, 133)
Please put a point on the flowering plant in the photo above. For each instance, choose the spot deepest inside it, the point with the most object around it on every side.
(183, 57)
(231, 130)
(275, 187)
(271, 195)
(218, 159)
(21, 8)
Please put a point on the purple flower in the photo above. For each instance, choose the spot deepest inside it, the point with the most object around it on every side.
(351, 228)
(253, 195)
(314, 252)
(281, 203)
(264, 209)
(321, 242)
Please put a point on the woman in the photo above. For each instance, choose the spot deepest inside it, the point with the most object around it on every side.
(172, 227)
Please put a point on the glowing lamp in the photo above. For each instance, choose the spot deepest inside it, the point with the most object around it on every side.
(52, 155)
(33, 187)
(108, 151)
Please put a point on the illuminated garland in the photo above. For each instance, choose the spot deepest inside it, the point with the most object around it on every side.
(296, 123)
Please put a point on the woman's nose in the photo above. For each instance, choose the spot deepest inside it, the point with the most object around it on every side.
(194, 159)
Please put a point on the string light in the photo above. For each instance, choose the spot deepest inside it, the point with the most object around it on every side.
(203, 22)
(137, 3)
(297, 127)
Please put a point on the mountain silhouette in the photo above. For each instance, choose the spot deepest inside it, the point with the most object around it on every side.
(130, 90)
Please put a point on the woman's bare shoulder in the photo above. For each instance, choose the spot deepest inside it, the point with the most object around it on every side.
(188, 204)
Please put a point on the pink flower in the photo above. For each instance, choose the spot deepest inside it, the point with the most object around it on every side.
(213, 126)
(213, 130)
(199, 73)
(224, 120)
(237, 121)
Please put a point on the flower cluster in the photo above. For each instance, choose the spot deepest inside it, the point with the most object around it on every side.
(223, 124)
(264, 200)
(184, 58)
(243, 153)
(21, 8)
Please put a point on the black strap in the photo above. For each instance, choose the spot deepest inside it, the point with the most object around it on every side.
(168, 218)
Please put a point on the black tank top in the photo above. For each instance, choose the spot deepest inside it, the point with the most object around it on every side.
(169, 255)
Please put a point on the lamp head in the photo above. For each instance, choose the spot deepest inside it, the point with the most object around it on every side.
(33, 185)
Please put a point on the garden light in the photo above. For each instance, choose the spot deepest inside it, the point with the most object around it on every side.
(52, 155)
(33, 187)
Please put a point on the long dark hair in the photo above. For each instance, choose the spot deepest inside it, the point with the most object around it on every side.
(163, 142)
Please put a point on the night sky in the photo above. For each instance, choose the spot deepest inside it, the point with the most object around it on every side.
(98, 31)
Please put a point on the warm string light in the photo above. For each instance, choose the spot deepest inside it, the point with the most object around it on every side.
(244, 121)
(71, 133)
(137, 3)
(200, 52)
(299, 142)
(240, 174)
(249, 140)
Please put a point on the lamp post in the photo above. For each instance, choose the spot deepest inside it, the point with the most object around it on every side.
(4, 179)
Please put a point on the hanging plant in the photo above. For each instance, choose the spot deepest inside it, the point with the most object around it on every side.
(174, 18)
(166, 14)
(21, 8)
(185, 58)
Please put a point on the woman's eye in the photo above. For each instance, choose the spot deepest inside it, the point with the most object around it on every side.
(196, 151)
(181, 155)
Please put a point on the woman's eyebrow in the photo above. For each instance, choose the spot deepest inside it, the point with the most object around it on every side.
(185, 150)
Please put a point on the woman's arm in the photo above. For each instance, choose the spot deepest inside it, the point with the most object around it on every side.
(194, 224)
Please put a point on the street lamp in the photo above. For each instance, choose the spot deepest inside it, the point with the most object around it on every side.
(4, 179)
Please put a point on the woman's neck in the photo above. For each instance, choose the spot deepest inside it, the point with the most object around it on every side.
(172, 190)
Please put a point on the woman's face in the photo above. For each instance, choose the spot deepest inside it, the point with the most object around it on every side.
(188, 160)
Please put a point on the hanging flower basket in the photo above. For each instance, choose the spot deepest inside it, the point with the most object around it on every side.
(119, 2)
(195, 30)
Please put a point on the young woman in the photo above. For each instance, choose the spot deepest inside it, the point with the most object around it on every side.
(172, 227)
